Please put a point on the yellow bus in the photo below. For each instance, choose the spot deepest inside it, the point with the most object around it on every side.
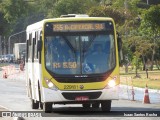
(73, 59)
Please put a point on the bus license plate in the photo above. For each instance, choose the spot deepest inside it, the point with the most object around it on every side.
(82, 98)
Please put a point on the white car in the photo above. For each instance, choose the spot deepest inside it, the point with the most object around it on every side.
(2, 58)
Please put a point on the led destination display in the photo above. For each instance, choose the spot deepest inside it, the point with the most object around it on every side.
(64, 27)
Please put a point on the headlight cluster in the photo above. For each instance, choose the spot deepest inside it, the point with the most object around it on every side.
(50, 84)
(111, 83)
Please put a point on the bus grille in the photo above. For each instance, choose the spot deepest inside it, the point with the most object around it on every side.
(72, 96)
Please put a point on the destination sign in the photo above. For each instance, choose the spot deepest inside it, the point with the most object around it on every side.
(64, 27)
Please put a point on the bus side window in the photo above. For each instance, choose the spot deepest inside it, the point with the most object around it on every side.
(29, 46)
(39, 45)
(35, 43)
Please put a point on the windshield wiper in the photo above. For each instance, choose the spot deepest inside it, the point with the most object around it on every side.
(87, 46)
(70, 45)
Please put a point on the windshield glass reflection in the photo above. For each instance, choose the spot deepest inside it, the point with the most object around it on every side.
(79, 54)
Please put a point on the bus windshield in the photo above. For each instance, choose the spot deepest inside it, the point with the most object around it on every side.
(80, 52)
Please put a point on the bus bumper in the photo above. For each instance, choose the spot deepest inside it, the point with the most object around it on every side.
(50, 95)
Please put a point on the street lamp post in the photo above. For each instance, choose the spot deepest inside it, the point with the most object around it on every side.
(9, 39)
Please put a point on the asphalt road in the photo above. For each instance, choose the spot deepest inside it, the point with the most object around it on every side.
(13, 97)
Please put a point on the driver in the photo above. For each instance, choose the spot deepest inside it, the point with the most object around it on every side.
(97, 59)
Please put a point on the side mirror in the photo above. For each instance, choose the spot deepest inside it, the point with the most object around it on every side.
(39, 46)
(119, 42)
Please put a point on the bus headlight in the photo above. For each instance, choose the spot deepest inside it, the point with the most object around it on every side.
(111, 83)
(50, 84)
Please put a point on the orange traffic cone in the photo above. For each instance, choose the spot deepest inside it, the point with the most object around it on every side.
(133, 94)
(5, 75)
(146, 96)
(21, 66)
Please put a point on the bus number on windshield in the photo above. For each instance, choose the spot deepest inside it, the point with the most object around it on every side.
(65, 65)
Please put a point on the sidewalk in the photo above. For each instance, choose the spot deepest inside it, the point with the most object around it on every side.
(12, 71)
(126, 93)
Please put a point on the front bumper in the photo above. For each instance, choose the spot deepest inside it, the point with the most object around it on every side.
(58, 96)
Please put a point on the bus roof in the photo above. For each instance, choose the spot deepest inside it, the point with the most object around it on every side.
(39, 25)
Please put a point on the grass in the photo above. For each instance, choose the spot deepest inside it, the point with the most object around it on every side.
(153, 80)
(3, 64)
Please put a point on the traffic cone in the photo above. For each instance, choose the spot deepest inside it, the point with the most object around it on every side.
(146, 96)
(5, 75)
(133, 94)
(21, 66)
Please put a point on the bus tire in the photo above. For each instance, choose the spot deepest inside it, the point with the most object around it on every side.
(106, 105)
(47, 107)
(95, 105)
(86, 105)
(41, 105)
(35, 105)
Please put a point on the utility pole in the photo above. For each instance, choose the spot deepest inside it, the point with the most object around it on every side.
(147, 2)
(0, 45)
(9, 40)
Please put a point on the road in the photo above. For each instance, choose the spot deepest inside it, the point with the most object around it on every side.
(13, 97)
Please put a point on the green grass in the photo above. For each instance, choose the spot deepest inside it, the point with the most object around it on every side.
(3, 64)
(153, 80)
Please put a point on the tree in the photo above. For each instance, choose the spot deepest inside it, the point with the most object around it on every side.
(107, 11)
(70, 7)
(150, 27)
(3, 24)
(55, 8)
(46, 7)
(13, 9)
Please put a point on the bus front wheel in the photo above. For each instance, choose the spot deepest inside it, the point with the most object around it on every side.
(35, 104)
(106, 105)
(86, 105)
(47, 107)
(41, 105)
(95, 105)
